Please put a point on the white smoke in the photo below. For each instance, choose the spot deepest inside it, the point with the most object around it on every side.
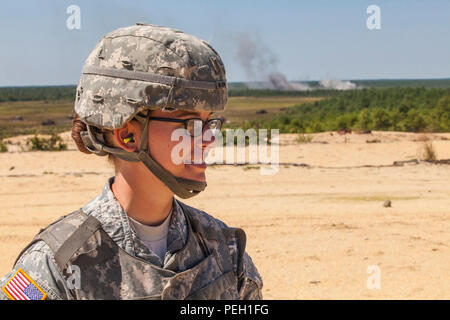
(260, 65)
(279, 82)
(337, 84)
(256, 59)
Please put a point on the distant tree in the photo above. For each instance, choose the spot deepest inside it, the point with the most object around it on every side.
(414, 121)
(345, 121)
(364, 119)
(396, 119)
(441, 115)
(381, 119)
(297, 124)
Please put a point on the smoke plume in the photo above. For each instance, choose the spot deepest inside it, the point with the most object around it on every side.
(260, 65)
(337, 84)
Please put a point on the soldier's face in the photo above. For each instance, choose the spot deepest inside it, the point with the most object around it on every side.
(174, 149)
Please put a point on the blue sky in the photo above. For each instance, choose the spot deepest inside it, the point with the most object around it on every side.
(308, 40)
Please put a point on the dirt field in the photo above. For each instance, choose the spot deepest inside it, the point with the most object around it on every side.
(313, 232)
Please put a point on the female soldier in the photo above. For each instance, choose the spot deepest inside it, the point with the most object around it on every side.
(135, 240)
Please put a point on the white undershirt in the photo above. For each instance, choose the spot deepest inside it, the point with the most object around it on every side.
(154, 237)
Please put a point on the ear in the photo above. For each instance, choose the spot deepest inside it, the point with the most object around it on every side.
(126, 131)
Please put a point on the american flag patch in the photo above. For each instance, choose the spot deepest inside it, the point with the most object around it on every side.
(22, 287)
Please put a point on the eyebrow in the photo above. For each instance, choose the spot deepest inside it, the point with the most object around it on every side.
(188, 113)
(183, 112)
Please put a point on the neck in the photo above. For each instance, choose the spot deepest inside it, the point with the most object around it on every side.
(148, 202)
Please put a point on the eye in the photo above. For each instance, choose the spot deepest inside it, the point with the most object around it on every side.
(214, 124)
(194, 126)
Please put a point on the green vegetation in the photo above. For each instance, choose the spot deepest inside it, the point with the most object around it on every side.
(411, 83)
(54, 143)
(236, 89)
(402, 108)
(3, 147)
(399, 109)
(230, 137)
(44, 93)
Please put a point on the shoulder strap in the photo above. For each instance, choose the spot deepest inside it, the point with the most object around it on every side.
(66, 235)
(67, 248)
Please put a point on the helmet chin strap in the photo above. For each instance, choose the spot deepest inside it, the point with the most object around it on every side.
(184, 188)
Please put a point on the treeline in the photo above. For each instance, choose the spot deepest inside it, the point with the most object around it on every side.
(398, 109)
(416, 83)
(376, 83)
(280, 93)
(55, 93)
(235, 89)
(50, 93)
(395, 83)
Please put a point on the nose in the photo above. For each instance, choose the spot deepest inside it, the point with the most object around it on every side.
(208, 137)
(204, 142)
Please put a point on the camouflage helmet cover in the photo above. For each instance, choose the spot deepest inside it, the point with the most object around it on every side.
(148, 67)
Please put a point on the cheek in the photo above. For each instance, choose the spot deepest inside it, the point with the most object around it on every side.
(161, 146)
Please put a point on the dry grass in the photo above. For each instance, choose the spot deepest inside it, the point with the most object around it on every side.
(303, 138)
(240, 109)
(428, 150)
(33, 113)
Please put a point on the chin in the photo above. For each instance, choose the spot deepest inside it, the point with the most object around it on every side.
(196, 173)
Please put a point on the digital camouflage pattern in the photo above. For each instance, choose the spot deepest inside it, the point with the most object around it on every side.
(111, 101)
(205, 259)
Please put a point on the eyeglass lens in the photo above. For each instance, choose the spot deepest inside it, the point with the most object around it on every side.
(195, 126)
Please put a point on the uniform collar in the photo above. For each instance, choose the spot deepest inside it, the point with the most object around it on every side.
(115, 223)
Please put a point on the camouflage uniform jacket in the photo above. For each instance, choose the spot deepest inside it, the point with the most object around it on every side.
(205, 259)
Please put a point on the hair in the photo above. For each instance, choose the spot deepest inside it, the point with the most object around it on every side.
(77, 127)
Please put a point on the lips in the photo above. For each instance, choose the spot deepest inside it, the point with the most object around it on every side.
(199, 165)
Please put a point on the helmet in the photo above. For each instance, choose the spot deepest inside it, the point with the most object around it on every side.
(140, 68)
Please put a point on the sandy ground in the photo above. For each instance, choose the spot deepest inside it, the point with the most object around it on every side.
(313, 232)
